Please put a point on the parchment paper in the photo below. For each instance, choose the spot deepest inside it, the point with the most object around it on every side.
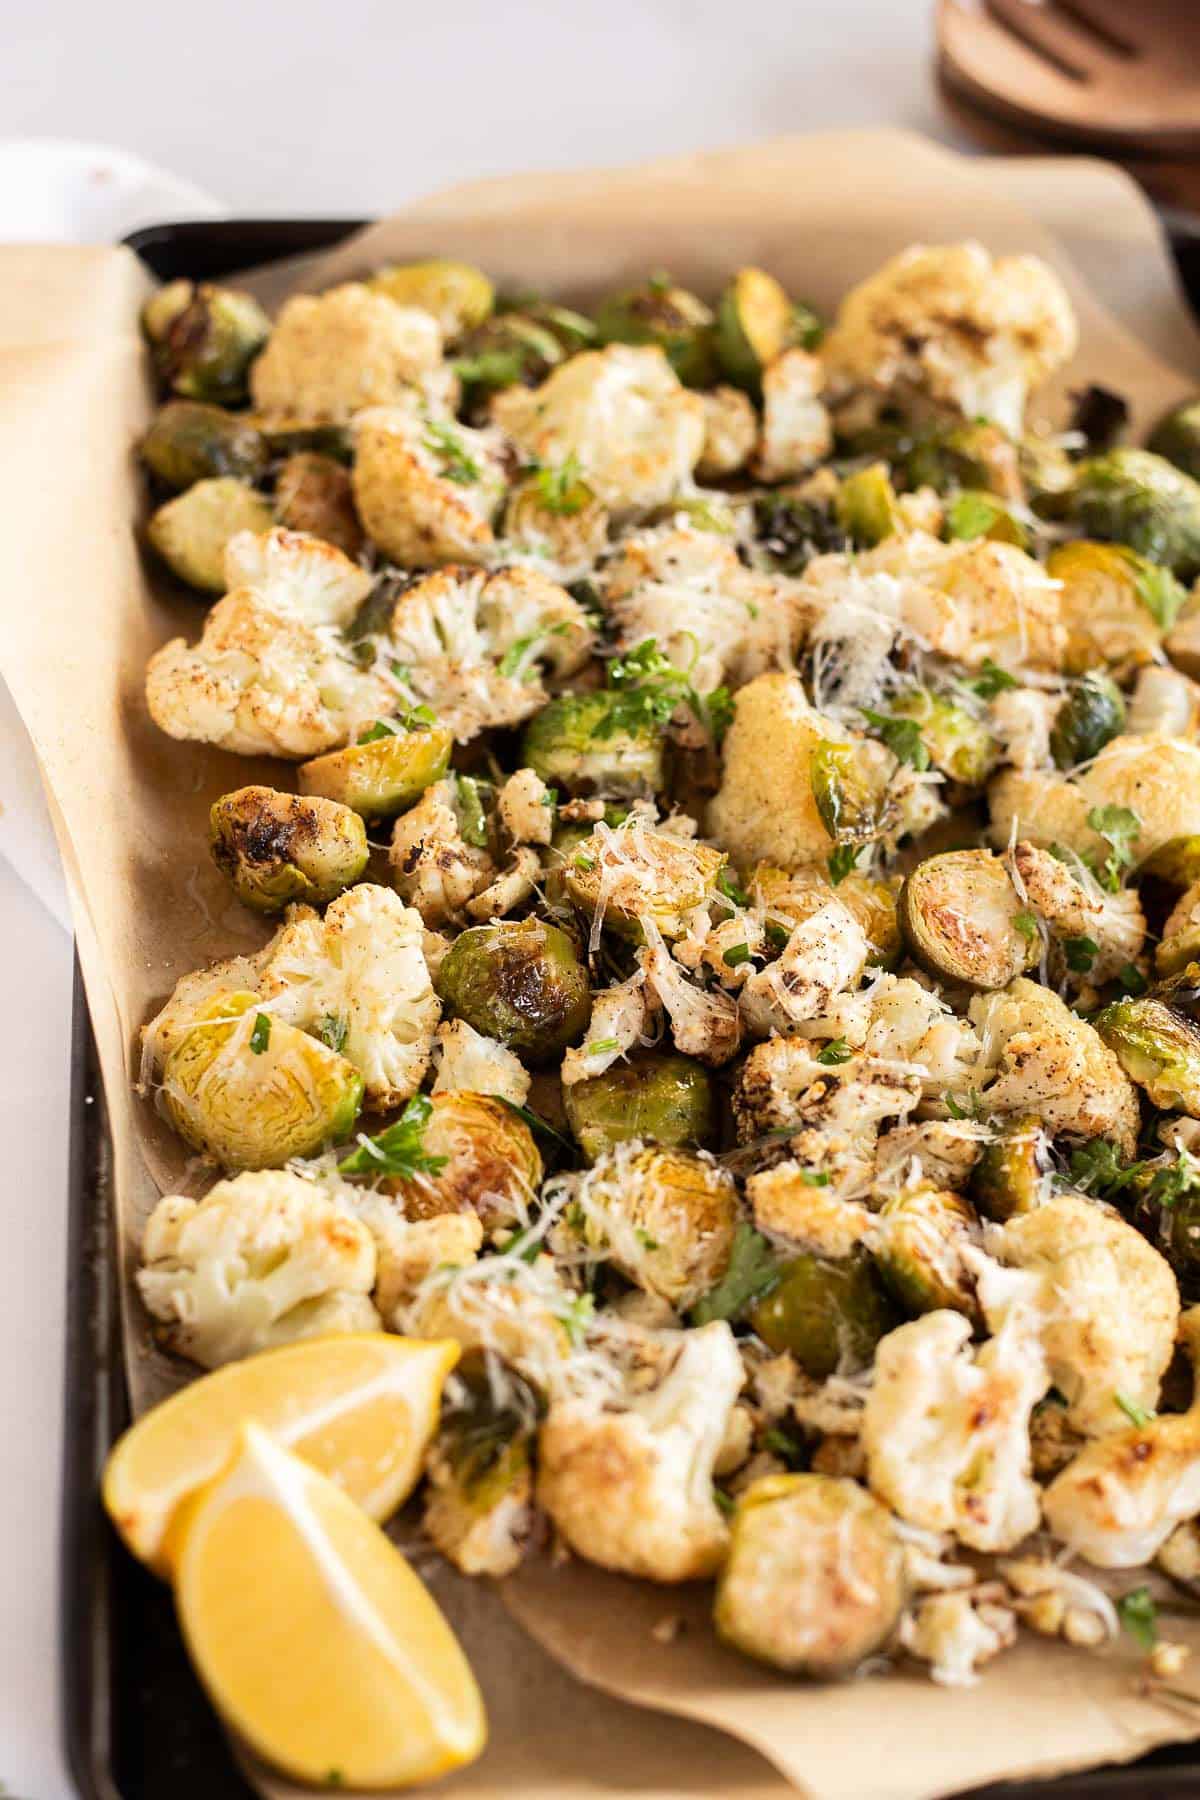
(80, 616)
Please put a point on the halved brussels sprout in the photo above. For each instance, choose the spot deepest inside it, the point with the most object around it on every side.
(190, 532)
(1045, 470)
(459, 296)
(659, 313)
(659, 1096)
(204, 339)
(1115, 604)
(189, 442)
(666, 1219)
(866, 507)
(815, 1580)
(478, 1508)
(556, 514)
(253, 1091)
(381, 775)
(850, 791)
(922, 1233)
(959, 744)
(756, 322)
(595, 743)
(491, 1165)
(507, 349)
(950, 457)
(1180, 942)
(1136, 498)
(959, 915)
(313, 493)
(1091, 715)
(792, 530)
(521, 982)
(1172, 1223)
(1177, 437)
(276, 848)
(975, 514)
(1158, 1048)
(829, 1315)
(1176, 862)
(635, 873)
(1010, 1176)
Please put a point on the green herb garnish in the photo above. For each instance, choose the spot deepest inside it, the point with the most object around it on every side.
(457, 464)
(1137, 1613)
(902, 737)
(837, 1050)
(333, 1032)
(753, 1268)
(260, 1035)
(992, 680)
(399, 1149)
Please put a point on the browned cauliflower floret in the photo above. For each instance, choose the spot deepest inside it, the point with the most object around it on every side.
(634, 432)
(526, 808)
(689, 591)
(269, 676)
(824, 954)
(1105, 1303)
(1075, 906)
(785, 1201)
(773, 820)
(331, 354)
(433, 866)
(475, 647)
(1157, 778)
(632, 1490)
(426, 490)
(469, 1062)
(796, 432)
(1040, 1057)
(730, 431)
(956, 1632)
(946, 329)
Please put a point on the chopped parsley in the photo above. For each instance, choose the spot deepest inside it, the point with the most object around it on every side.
(729, 887)
(562, 490)
(1137, 1415)
(646, 689)
(1026, 923)
(753, 1268)
(902, 737)
(781, 1442)
(644, 1239)
(1159, 593)
(1119, 826)
(736, 955)
(724, 1503)
(1081, 953)
(538, 1125)
(260, 1035)
(837, 1050)
(490, 368)
(457, 464)
(814, 1177)
(526, 650)
(576, 1316)
(333, 1032)
(472, 815)
(992, 680)
(1131, 980)
(408, 718)
(843, 860)
(601, 1047)
(970, 1108)
(399, 1149)
(1137, 1613)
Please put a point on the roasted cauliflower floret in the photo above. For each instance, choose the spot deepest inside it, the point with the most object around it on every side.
(408, 1251)
(426, 490)
(617, 1024)
(824, 954)
(1019, 720)
(433, 866)
(1105, 1303)
(1155, 778)
(331, 354)
(796, 432)
(947, 329)
(476, 646)
(470, 1063)
(632, 1490)
(705, 1022)
(664, 1217)
(526, 808)
(262, 1259)
(946, 1430)
(785, 1202)
(362, 967)
(1040, 1057)
(1119, 1501)
(635, 433)
(1111, 926)
(777, 821)
(268, 677)
(955, 1632)
(730, 432)
(815, 1579)
(707, 613)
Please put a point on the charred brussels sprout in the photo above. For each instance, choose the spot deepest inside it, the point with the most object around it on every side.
(635, 873)
(1115, 604)
(659, 313)
(190, 532)
(276, 848)
(756, 322)
(793, 530)
(520, 982)
(665, 1218)
(204, 339)
(1010, 1176)
(657, 1096)
(489, 1162)
(1092, 713)
(478, 1511)
(829, 1315)
(287, 436)
(952, 458)
(595, 743)
(960, 916)
(459, 296)
(313, 493)
(1170, 1218)
(850, 792)
(922, 1233)
(189, 442)
(253, 1091)
(959, 745)
(866, 505)
(387, 770)
(1158, 1048)
(1177, 437)
(1136, 498)
(785, 1595)
(508, 349)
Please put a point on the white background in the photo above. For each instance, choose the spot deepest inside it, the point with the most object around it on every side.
(343, 108)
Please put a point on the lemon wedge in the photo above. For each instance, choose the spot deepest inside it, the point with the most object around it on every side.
(314, 1638)
(360, 1407)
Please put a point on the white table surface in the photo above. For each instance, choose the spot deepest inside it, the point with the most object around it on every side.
(349, 109)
